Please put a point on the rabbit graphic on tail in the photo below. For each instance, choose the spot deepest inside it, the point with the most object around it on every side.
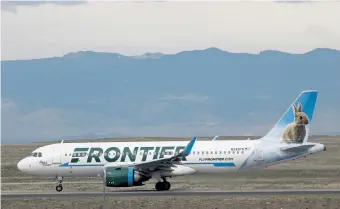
(295, 132)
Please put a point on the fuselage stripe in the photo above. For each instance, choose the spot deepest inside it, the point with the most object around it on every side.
(219, 164)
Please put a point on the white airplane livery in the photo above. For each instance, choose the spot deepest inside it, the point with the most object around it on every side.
(127, 164)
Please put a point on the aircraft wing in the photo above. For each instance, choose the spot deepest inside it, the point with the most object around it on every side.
(165, 163)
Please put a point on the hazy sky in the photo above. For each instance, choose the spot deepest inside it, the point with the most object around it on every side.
(35, 30)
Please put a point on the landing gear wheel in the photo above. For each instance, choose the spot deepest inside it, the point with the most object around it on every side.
(159, 186)
(59, 188)
(167, 185)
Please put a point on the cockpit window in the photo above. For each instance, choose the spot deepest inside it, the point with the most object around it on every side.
(36, 154)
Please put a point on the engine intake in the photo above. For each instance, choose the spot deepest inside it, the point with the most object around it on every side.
(122, 177)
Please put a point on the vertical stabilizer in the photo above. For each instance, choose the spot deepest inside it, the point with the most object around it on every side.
(294, 125)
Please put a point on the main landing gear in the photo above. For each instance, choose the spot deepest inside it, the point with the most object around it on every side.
(163, 185)
(59, 187)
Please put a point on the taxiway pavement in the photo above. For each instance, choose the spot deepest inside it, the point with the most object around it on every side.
(172, 193)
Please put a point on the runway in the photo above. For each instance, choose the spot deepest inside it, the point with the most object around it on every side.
(128, 193)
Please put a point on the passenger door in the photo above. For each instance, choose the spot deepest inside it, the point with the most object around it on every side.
(57, 154)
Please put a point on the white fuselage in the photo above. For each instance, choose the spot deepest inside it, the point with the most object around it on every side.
(88, 159)
(165, 158)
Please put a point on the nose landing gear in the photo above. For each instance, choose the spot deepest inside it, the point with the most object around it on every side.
(59, 188)
(59, 180)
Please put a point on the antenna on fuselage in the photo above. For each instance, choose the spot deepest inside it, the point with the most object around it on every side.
(62, 141)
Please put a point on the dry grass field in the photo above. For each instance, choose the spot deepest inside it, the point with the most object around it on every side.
(321, 170)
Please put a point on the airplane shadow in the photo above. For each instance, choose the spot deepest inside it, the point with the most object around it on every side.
(146, 190)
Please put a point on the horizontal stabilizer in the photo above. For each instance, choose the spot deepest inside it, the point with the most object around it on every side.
(299, 148)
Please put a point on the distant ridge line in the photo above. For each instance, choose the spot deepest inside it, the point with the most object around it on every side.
(75, 54)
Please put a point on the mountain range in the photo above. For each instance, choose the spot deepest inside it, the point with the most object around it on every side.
(198, 92)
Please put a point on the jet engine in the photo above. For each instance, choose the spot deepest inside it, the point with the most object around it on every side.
(123, 177)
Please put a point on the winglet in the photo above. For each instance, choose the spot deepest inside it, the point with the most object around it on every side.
(188, 148)
(215, 138)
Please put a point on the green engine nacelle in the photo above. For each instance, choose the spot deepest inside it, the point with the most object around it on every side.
(121, 177)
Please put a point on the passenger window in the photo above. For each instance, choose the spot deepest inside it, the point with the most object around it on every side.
(220, 152)
(211, 152)
(225, 152)
(193, 152)
(207, 152)
(216, 152)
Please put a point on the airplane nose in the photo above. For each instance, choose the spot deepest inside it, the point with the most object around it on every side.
(22, 165)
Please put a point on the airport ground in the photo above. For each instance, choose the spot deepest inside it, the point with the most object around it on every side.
(319, 171)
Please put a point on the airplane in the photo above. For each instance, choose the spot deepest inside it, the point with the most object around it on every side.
(128, 164)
